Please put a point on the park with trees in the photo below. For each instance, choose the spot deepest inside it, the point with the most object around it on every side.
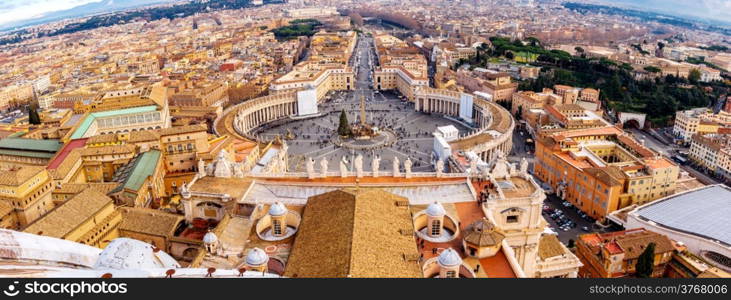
(659, 97)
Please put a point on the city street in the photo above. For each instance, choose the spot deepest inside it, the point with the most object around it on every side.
(553, 202)
(669, 150)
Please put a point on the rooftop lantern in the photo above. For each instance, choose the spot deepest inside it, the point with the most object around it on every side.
(210, 241)
(278, 213)
(482, 239)
(435, 219)
(449, 263)
(257, 260)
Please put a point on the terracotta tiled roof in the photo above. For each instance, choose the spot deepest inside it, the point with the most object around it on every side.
(72, 213)
(75, 188)
(219, 185)
(483, 234)
(549, 246)
(354, 233)
(602, 175)
(634, 244)
(149, 221)
(5, 209)
(14, 175)
(65, 166)
(102, 138)
(106, 150)
(183, 129)
(143, 136)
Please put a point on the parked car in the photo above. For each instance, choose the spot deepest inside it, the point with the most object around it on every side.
(585, 228)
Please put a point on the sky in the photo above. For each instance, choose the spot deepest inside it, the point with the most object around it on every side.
(18, 10)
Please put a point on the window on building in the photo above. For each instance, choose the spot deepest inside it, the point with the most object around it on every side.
(277, 227)
(512, 219)
(436, 227)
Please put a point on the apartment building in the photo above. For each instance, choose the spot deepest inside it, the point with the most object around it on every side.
(698, 121)
(325, 70)
(615, 254)
(499, 85)
(182, 145)
(602, 169)
(89, 218)
(401, 67)
(25, 194)
(713, 152)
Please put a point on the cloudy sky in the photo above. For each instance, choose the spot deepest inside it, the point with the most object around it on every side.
(17, 10)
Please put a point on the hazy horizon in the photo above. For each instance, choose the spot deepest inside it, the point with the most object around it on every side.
(18, 13)
(22, 12)
(716, 10)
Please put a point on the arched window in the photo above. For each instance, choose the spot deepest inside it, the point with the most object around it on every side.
(277, 227)
(436, 228)
(451, 274)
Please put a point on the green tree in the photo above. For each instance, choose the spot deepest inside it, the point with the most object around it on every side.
(344, 127)
(509, 55)
(694, 76)
(652, 69)
(646, 262)
(33, 117)
(534, 42)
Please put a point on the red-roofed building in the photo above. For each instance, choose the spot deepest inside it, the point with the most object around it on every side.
(615, 254)
(602, 169)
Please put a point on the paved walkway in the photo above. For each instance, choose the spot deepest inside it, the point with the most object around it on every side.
(234, 236)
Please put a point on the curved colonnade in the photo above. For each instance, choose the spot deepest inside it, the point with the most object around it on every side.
(494, 124)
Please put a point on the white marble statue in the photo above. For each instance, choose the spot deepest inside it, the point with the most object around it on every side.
(343, 167)
(359, 165)
(323, 167)
(473, 166)
(201, 168)
(375, 164)
(310, 166)
(440, 167)
(501, 169)
(407, 167)
(523, 166)
(396, 167)
(222, 166)
(184, 192)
